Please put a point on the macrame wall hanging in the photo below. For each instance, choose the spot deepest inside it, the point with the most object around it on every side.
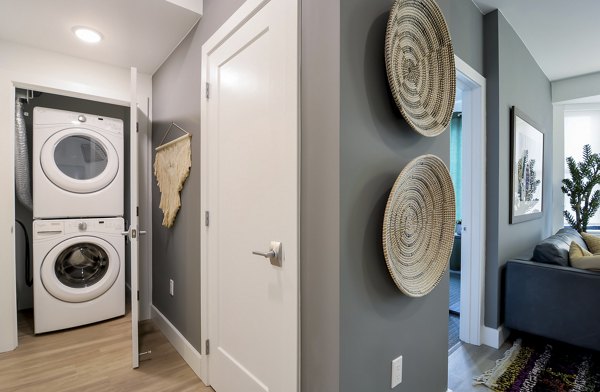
(172, 166)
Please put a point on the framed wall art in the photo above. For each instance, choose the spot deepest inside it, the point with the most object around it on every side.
(526, 168)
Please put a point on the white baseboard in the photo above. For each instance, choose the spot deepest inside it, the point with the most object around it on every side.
(494, 337)
(193, 358)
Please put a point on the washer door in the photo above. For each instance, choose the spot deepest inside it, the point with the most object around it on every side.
(79, 160)
(80, 269)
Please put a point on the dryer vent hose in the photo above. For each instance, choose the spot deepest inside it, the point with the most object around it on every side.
(22, 172)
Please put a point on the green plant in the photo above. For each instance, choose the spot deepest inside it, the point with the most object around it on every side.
(584, 200)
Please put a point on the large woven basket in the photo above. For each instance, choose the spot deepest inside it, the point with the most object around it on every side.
(419, 60)
(418, 226)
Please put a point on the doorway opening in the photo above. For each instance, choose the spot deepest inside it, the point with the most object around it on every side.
(9, 338)
(455, 257)
(77, 157)
(467, 166)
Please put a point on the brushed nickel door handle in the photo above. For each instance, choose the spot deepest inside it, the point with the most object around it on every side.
(274, 254)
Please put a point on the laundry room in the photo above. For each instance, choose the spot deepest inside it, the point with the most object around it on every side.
(92, 97)
(52, 200)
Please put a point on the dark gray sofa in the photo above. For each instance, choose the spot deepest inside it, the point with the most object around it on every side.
(553, 300)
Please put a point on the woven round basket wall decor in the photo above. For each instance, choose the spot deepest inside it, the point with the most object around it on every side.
(418, 225)
(419, 60)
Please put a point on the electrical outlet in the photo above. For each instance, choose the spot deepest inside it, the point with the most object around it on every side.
(396, 371)
(171, 287)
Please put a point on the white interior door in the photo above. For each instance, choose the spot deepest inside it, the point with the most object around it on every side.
(133, 230)
(8, 300)
(250, 170)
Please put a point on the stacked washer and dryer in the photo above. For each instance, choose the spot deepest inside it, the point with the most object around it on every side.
(78, 192)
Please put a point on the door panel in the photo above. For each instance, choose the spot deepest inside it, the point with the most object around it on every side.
(252, 134)
(133, 234)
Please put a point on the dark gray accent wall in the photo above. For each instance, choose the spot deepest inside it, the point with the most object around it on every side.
(513, 78)
(176, 251)
(320, 196)
(465, 23)
(377, 322)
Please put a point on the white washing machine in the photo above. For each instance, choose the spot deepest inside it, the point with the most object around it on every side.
(79, 272)
(77, 165)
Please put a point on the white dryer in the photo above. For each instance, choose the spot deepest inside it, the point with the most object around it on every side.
(79, 272)
(77, 165)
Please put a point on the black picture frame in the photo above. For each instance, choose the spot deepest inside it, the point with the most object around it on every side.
(526, 168)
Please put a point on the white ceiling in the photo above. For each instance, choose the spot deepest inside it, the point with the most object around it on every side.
(562, 35)
(140, 33)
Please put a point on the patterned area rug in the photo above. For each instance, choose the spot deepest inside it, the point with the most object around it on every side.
(531, 365)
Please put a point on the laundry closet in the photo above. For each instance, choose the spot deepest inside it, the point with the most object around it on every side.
(72, 207)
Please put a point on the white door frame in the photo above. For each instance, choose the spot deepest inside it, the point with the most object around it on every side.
(9, 332)
(246, 11)
(473, 201)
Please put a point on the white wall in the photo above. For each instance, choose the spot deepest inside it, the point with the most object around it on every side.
(192, 5)
(28, 67)
(66, 75)
(558, 159)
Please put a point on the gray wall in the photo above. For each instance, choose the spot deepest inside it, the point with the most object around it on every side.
(377, 322)
(583, 86)
(320, 198)
(513, 78)
(176, 251)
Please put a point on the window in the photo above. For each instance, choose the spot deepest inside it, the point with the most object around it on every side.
(581, 127)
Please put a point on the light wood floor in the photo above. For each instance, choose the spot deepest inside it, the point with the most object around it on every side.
(468, 361)
(94, 358)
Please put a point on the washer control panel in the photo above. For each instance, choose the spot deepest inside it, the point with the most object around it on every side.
(50, 228)
(45, 229)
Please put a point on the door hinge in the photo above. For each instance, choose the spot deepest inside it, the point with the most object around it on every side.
(138, 295)
(207, 347)
(207, 90)
(206, 218)
(137, 126)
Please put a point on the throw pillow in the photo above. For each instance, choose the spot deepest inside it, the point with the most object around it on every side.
(592, 242)
(587, 263)
(576, 251)
(583, 259)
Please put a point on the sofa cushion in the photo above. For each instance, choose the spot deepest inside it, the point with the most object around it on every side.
(592, 242)
(555, 249)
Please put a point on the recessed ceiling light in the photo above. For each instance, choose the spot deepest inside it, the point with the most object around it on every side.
(87, 35)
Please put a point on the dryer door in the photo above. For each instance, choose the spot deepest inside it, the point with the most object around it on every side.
(80, 269)
(79, 160)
